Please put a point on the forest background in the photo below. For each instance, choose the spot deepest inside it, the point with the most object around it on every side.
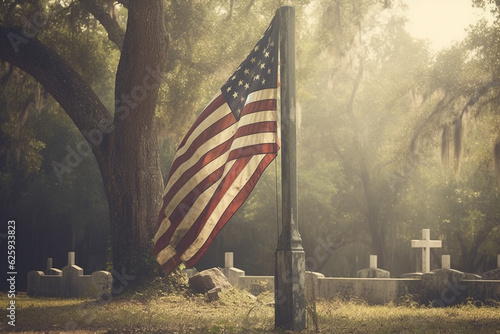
(393, 136)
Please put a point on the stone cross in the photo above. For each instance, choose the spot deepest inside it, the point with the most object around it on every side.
(426, 244)
(373, 261)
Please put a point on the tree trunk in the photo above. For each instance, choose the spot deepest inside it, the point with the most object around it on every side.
(132, 176)
(372, 210)
(372, 217)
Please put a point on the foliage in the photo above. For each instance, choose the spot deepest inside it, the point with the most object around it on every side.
(461, 97)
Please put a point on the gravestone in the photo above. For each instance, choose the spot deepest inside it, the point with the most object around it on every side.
(34, 282)
(100, 284)
(229, 259)
(373, 271)
(68, 282)
(228, 263)
(233, 274)
(72, 278)
(51, 270)
(442, 287)
(446, 286)
(426, 244)
(49, 265)
(445, 262)
(493, 274)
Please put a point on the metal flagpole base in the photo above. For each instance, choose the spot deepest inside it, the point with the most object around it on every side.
(289, 290)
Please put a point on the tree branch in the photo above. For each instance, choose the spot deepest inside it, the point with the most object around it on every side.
(115, 33)
(60, 80)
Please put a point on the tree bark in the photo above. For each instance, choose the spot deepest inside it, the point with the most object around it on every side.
(133, 179)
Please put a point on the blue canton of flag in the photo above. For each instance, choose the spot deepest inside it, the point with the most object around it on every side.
(258, 71)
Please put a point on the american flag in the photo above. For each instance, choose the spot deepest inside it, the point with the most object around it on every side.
(221, 158)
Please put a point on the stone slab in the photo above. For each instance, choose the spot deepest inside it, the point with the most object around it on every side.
(373, 273)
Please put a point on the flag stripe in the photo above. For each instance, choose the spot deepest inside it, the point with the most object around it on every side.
(195, 190)
(214, 111)
(189, 155)
(231, 209)
(208, 161)
(213, 133)
(242, 146)
(177, 230)
(208, 213)
(206, 189)
(207, 228)
(243, 136)
(245, 145)
(182, 205)
(222, 125)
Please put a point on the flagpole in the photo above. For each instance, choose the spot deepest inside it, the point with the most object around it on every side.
(290, 257)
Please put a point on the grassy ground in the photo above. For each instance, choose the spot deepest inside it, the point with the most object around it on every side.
(235, 312)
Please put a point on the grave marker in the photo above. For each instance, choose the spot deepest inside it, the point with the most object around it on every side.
(229, 260)
(51, 270)
(426, 244)
(373, 271)
(71, 258)
(49, 265)
(70, 282)
(373, 261)
(493, 274)
(445, 262)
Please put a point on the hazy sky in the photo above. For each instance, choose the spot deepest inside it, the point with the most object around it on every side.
(441, 21)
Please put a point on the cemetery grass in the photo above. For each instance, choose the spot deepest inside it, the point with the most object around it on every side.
(237, 312)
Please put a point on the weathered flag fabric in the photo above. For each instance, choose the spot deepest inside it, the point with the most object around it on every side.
(221, 158)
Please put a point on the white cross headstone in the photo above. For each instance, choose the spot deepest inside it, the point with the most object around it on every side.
(426, 244)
